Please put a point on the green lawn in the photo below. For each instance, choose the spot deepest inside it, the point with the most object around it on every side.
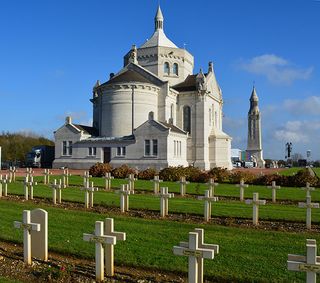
(317, 171)
(290, 171)
(188, 205)
(228, 190)
(246, 255)
(7, 280)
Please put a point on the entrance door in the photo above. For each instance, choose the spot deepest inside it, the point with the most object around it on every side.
(106, 154)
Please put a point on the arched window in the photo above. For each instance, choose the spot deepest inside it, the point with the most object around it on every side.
(175, 69)
(187, 119)
(166, 68)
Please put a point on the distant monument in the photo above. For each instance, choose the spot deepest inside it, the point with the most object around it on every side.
(254, 146)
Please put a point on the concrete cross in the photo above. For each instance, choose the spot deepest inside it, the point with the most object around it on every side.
(202, 245)
(4, 185)
(208, 199)
(242, 185)
(100, 240)
(255, 202)
(308, 188)
(309, 264)
(194, 252)
(12, 174)
(86, 178)
(131, 180)
(28, 186)
(124, 197)
(156, 184)
(46, 177)
(29, 172)
(274, 188)
(308, 204)
(88, 194)
(65, 178)
(183, 185)
(164, 201)
(108, 179)
(212, 186)
(56, 191)
(109, 249)
(27, 227)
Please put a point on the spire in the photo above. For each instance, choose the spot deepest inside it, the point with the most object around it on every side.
(158, 20)
(254, 96)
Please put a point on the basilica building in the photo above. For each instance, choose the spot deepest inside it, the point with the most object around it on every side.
(155, 112)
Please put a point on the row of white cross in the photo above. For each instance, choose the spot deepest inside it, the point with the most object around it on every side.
(35, 245)
(164, 195)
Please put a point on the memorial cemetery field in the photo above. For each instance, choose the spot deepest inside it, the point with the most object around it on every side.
(248, 253)
(245, 254)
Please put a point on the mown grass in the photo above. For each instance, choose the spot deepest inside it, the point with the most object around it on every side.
(246, 255)
(7, 280)
(317, 171)
(179, 205)
(227, 190)
(290, 171)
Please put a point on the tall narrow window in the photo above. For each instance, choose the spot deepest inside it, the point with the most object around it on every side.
(216, 119)
(187, 119)
(154, 147)
(172, 111)
(67, 148)
(147, 147)
(92, 151)
(210, 116)
(175, 69)
(166, 68)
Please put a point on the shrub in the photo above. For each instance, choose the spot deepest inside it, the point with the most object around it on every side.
(220, 175)
(171, 173)
(236, 177)
(123, 171)
(100, 169)
(147, 174)
(302, 177)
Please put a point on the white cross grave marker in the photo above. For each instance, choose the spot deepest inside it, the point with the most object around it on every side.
(27, 227)
(124, 197)
(4, 185)
(86, 178)
(212, 186)
(108, 179)
(309, 264)
(183, 185)
(156, 184)
(131, 180)
(242, 185)
(308, 204)
(164, 201)
(202, 245)
(274, 188)
(308, 188)
(46, 177)
(255, 202)
(109, 249)
(208, 199)
(193, 250)
(65, 178)
(29, 172)
(28, 186)
(39, 239)
(100, 240)
(56, 191)
(88, 194)
(12, 174)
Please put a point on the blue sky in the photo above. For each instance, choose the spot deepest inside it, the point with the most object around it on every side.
(52, 52)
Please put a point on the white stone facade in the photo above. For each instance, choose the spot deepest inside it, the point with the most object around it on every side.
(153, 113)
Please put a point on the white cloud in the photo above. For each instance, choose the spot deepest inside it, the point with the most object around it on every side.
(298, 132)
(308, 106)
(277, 70)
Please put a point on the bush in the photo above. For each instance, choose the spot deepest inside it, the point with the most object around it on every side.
(100, 169)
(123, 171)
(247, 177)
(171, 173)
(147, 174)
(220, 175)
